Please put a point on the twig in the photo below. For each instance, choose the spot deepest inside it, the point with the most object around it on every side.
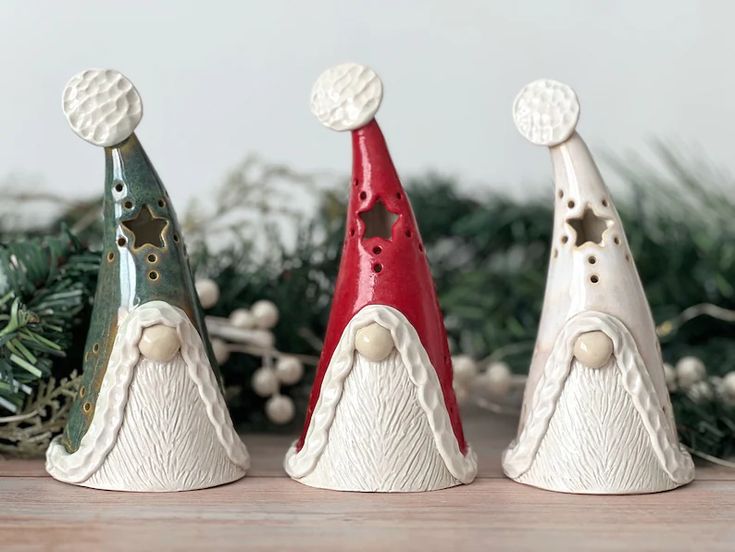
(703, 309)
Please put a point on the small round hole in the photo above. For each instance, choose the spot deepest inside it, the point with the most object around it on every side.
(176, 238)
(377, 250)
(398, 195)
(161, 203)
(121, 241)
(421, 247)
(87, 407)
(153, 275)
(355, 182)
(377, 267)
(110, 257)
(616, 240)
(82, 391)
(561, 194)
(604, 203)
(592, 259)
(152, 258)
(564, 239)
(570, 204)
(352, 231)
(594, 278)
(119, 187)
(128, 204)
(96, 348)
(408, 233)
(363, 195)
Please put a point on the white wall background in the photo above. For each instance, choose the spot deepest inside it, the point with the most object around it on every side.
(220, 79)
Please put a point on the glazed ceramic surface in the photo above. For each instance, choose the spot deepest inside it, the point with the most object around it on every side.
(144, 262)
(597, 417)
(400, 370)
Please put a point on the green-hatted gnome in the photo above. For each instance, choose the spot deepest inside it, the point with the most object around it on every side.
(149, 415)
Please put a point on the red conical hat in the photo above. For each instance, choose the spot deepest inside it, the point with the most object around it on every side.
(387, 267)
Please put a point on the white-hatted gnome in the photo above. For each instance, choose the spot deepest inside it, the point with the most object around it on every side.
(382, 414)
(596, 415)
(150, 414)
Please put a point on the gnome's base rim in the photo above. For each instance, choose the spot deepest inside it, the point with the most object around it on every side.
(115, 489)
(599, 492)
(377, 491)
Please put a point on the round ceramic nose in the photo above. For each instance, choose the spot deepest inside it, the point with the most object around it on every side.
(159, 343)
(374, 342)
(593, 349)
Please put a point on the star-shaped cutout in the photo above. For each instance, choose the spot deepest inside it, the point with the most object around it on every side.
(589, 227)
(378, 221)
(146, 228)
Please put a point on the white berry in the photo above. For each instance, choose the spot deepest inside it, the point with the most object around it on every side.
(289, 370)
(670, 376)
(461, 392)
(498, 379)
(700, 391)
(264, 382)
(280, 409)
(242, 318)
(221, 350)
(689, 371)
(465, 369)
(728, 386)
(265, 313)
(208, 292)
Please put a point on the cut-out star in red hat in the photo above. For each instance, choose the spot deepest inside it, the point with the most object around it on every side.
(382, 414)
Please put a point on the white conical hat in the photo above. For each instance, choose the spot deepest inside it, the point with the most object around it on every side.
(591, 277)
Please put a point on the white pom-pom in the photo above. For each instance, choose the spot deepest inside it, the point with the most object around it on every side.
(670, 376)
(102, 106)
(546, 112)
(289, 370)
(264, 382)
(221, 350)
(465, 369)
(498, 379)
(346, 96)
(242, 318)
(208, 292)
(689, 371)
(280, 409)
(265, 313)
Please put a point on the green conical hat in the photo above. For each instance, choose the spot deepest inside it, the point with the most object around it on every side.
(144, 257)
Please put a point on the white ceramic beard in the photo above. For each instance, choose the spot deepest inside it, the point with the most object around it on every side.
(597, 430)
(381, 426)
(158, 426)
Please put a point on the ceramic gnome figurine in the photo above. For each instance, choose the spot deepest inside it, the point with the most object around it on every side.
(382, 414)
(596, 416)
(149, 415)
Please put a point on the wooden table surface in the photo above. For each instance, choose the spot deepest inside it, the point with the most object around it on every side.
(268, 511)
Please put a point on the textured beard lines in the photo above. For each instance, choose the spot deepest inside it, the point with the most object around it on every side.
(166, 441)
(596, 441)
(380, 439)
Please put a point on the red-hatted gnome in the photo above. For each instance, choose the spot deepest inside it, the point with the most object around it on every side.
(382, 414)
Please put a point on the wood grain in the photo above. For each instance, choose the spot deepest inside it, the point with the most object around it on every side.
(268, 511)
